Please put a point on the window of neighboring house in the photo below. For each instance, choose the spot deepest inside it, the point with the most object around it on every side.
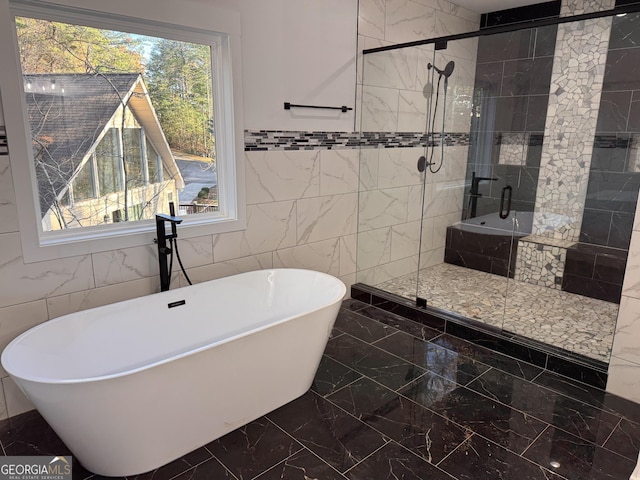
(147, 98)
(108, 163)
(154, 163)
(83, 185)
(133, 158)
(142, 160)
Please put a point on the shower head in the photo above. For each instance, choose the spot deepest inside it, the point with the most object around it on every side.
(448, 69)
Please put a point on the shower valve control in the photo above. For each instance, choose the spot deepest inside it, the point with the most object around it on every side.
(423, 164)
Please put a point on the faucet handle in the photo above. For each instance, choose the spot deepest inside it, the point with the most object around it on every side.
(161, 218)
(168, 218)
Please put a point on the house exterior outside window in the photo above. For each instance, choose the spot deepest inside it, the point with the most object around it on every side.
(74, 184)
(72, 142)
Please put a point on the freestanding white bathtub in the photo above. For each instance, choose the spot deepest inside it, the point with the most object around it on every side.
(134, 385)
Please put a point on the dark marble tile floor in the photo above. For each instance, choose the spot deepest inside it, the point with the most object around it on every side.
(394, 399)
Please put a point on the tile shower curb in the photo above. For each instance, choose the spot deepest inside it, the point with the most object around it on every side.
(563, 362)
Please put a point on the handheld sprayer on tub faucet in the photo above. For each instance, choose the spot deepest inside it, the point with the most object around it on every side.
(165, 250)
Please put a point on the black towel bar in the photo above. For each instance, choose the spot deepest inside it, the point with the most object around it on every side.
(289, 106)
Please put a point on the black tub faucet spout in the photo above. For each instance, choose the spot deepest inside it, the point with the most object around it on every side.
(474, 194)
(163, 249)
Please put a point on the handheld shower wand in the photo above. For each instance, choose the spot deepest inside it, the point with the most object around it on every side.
(446, 73)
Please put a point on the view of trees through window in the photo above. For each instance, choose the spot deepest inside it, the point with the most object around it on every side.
(121, 124)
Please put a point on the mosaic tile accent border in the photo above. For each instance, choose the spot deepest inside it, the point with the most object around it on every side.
(301, 140)
(616, 140)
(4, 146)
(263, 140)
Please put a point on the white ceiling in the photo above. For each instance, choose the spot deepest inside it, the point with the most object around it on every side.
(484, 6)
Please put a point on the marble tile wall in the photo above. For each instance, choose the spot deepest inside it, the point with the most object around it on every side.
(511, 94)
(624, 367)
(595, 271)
(396, 89)
(614, 179)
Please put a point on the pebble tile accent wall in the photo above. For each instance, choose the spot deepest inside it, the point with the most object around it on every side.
(572, 115)
(576, 86)
(585, 6)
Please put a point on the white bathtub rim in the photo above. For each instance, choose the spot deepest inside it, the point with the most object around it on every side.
(506, 226)
(132, 371)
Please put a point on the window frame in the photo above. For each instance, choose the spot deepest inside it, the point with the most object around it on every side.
(203, 24)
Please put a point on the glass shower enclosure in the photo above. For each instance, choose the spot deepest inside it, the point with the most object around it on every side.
(499, 176)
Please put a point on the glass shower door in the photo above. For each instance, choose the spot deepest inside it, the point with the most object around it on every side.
(393, 122)
(462, 268)
(519, 219)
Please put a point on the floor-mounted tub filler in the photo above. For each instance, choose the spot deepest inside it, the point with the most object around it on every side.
(134, 385)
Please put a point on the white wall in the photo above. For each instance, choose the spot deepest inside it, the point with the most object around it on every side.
(302, 205)
(302, 52)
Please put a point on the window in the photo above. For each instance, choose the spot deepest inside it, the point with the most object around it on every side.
(107, 157)
(80, 81)
(154, 168)
(83, 184)
(116, 108)
(133, 160)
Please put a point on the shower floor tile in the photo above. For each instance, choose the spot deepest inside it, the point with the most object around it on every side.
(575, 323)
(393, 400)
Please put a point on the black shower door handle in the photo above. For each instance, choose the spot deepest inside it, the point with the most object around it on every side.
(502, 197)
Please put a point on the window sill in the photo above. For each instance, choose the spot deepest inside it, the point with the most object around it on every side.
(70, 243)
